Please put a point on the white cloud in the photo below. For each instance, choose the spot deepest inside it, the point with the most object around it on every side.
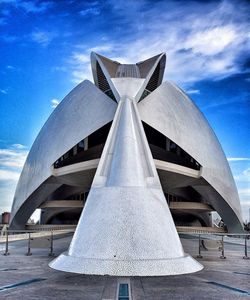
(81, 73)
(245, 210)
(3, 91)
(244, 176)
(80, 57)
(244, 192)
(54, 103)
(80, 60)
(8, 175)
(192, 92)
(13, 158)
(11, 162)
(101, 48)
(34, 6)
(90, 8)
(6, 195)
(238, 159)
(90, 11)
(80, 66)
(212, 40)
(202, 46)
(43, 38)
(19, 146)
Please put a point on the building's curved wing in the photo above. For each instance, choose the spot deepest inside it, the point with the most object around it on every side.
(172, 113)
(84, 110)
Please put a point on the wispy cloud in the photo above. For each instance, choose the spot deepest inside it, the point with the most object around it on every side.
(9, 67)
(238, 159)
(8, 175)
(90, 8)
(13, 157)
(80, 66)
(43, 38)
(80, 57)
(211, 41)
(11, 162)
(90, 11)
(209, 45)
(34, 6)
(245, 192)
(4, 91)
(101, 48)
(80, 60)
(245, 209)
(192, 92)
(54, 103)
(19, 146)
(244, 176)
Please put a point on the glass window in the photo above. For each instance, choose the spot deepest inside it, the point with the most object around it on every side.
(123, 293)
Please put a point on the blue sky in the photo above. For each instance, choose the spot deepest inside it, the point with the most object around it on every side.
(45, 47)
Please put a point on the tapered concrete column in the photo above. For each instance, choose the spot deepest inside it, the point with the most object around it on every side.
(126, 228)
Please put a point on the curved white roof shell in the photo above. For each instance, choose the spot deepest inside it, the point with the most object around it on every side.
(174, 114)
(126, 228)
(82, 111)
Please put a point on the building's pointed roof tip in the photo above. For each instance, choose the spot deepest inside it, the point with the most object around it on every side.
(93, 54)
(162, 54)
(142, 69)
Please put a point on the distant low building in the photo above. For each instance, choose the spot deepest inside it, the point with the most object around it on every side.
(5, 218)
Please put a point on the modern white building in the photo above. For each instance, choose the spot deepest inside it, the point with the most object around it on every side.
(138, 161)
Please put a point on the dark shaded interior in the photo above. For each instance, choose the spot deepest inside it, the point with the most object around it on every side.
(67, 217)
(161, 147)
(103, 83)
(82, 152)
(164, 149)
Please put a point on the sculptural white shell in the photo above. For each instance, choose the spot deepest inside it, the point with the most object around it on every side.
(126, 227)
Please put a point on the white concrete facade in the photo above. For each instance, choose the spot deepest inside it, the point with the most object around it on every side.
(126, 228)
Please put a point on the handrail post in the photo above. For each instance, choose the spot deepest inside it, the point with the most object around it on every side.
(222, 250)
(29, 252)
(199, 255)
(7, 244)
(51, 244)
(246, 256)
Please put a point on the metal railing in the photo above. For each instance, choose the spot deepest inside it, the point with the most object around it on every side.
(45, 239)
(210, 236)
(34, 238)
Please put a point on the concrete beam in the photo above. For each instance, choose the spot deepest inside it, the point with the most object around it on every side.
(62, 203)
(192, 206)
